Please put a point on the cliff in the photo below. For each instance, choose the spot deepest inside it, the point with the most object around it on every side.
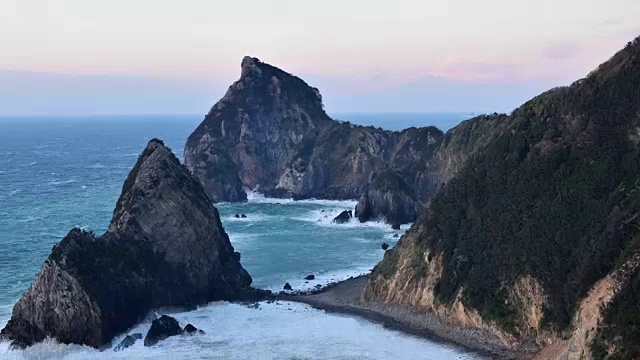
(535, 237)
(165, 246)
(270, 133)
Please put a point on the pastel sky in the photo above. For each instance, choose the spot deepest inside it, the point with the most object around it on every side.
(355, 51)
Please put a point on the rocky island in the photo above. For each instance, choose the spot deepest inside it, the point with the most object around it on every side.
(165, 246)
(270, 133)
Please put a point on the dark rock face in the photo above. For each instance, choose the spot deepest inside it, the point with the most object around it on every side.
(162, 328)
(310, 277)
(128, 341)
(270, 133)
(388, 197)
(287, 286)
(165, 247)
(191, 330)
(243, 216)
(385, 246)
(344, 217)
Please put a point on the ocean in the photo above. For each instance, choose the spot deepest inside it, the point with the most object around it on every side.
(61, 172)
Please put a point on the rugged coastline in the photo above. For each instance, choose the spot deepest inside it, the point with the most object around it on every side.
(345, 297)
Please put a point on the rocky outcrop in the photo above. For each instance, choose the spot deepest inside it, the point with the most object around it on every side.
(343, 217)
(534, 237)
(388, 198)
(128, 340)
(162, 328)
(270, 133)
(165, 246)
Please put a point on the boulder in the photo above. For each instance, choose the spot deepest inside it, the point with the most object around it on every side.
(237, 216)
(191, 330)
(128, 341)
(243, 216)
(310, 277)
(287, 286)
(344, 217)
(162, 328)
(165, 246)
(385, 246)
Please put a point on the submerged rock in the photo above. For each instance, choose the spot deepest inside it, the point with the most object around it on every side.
(237, 216)
(128, 341)
(343, 218)
(162, 328)
(310, 277)
(165, 246)
(396, 235)
(243, 216)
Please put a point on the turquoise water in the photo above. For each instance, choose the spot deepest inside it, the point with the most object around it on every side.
(56, 173)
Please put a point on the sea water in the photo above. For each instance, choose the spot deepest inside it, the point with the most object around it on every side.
(57, 173)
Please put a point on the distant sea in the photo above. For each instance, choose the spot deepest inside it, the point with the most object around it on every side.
(61, 172)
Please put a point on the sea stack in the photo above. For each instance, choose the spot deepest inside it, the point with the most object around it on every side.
(270, 134)
(165, 246)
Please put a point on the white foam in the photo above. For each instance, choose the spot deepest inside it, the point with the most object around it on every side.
(62, 182)
(281, 330)
(255, 217)
(29, 164)
(257, 198)
(323, 278)
(13, 192)
(324, 218)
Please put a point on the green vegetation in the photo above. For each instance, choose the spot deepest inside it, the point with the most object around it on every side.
(554, 196)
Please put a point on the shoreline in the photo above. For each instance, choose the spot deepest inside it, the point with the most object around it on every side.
(344, 297)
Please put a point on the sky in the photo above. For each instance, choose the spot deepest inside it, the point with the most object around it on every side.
(162, 56)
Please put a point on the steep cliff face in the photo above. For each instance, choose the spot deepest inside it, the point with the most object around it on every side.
(165, 246)
(528, 228)
(270, 133)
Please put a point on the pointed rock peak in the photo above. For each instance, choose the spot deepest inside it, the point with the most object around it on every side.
(155, 159)
(250, 67)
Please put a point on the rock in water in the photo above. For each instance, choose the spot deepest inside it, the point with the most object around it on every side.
(310, 277)
(128, 341)
(385, 246)
(192, 330)
(165, 246)
(344, 217)
(287, 286)
(161, 329)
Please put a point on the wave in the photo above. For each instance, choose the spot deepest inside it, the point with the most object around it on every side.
(257, 198)
(253, 217)
(13, 192)
(96, 166)
(324, 218)
(62, 183)
(29, 164)
(29, 219)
